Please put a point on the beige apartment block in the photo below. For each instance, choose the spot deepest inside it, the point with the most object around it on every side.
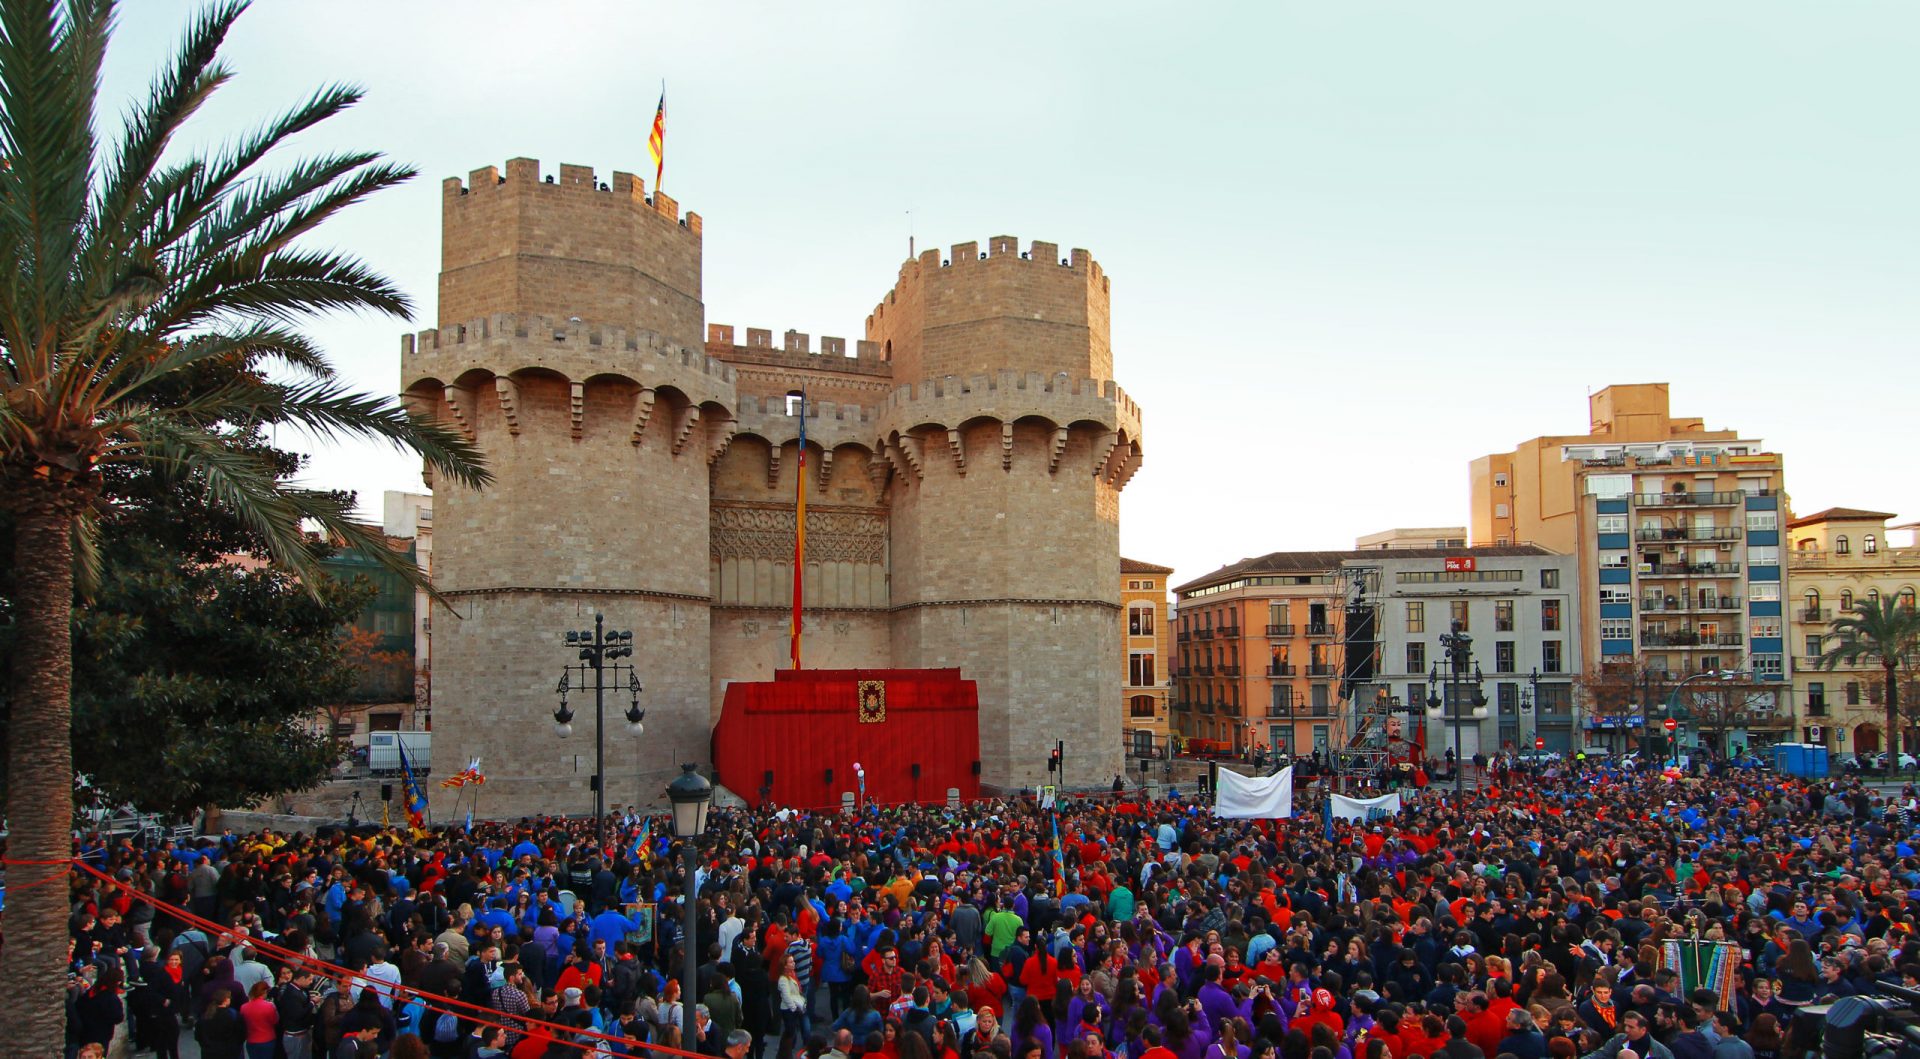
(1840, 557)
(1144, 622)
(964, 462)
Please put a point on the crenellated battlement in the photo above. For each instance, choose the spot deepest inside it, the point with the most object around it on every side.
(795, 351)
(524, 173)
(1001, 250)
(1010, 396)
(506, 343)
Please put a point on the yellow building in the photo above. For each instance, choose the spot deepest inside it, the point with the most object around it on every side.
(1144, 619)
(1838, 557)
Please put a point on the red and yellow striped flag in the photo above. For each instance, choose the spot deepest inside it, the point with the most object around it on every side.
(799, 535)
(657, 142)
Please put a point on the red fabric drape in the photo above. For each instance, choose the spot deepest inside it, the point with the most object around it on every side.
(802, 723)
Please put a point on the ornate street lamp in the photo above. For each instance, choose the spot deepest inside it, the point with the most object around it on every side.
(691, 795)
(1457, 646)
(599, 653)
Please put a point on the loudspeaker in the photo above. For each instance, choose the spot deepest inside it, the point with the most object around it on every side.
(386, 792)
(767, 779)
(916, 770)
(976, 768)
(829, 777)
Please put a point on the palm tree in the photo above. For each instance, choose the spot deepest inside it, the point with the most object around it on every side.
(1881, 629)
(122, 268)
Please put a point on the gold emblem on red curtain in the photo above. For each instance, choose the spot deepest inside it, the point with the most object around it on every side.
(873, 701)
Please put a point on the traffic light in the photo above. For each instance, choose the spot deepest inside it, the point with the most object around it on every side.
(1053, 760)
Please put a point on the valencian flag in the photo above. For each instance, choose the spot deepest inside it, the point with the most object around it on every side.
(1059, 862)
(657, 141)
(470, 774)
(799, 535)
(416, 797)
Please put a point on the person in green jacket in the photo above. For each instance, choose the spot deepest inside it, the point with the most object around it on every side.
(1120, 904)
(722, 1007)
(1001, 927)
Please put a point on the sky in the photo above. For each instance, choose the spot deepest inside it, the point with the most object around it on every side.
(1352, 245)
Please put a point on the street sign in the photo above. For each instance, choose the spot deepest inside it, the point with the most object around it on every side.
(1539, 743)
(1670, 724)
(1813, 733)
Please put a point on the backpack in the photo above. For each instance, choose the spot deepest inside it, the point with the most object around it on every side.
(446, 1029)
(848, 965)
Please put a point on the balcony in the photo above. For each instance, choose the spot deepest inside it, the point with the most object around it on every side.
(1229, 632)
(1202, 671)
(1812, 662)
(1691, 639)
(1815, 614)
(1230, 671)
(1203, 634)
(1279, 669)
(1206, 707)
(1320, 629)
(1816, 707)
(1320, 669)
(1183, 636)
(1280, 711)
(1280, 630)
(1662, 534)
(1683, 605)
(1684, 499)
(1689, 569)
(1320, 709)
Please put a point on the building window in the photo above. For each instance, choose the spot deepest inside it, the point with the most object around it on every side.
(1503, 615)
(1846, 600)
(1507, 694)
(1416, 656)
(1140, 669)
(1907, 597)
(1140, 619)
(1817, 694)
(1767, 628)
(1764, 591)
(1816, 645)
(1457, 612)
(1609, 486)
(1615, 594)
(1869, 544)
(1766, 555)
(1500, 478)
(1550, 615)
(1416, 694)
(1142, 705)
(1853, 693)
(1416, 617)
(1549, 656)
(1280, 698)
(1767, 665)
(1320, 698)
(1610, 524)
(1613, 558)
(1503, 657)
(1616, 628)
(1841, 546)
(1555, 699)
(1499, 511)
(1762, 521)
(1549, 578)
(1276, 614)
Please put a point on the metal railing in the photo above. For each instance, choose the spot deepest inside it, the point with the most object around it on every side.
(1690, 569)
(1816, 614)
(1230, 671)
(1280, 630)
(1691, 639)
(1320, 669)
(1320, 628)
(1677, 499)
(1655, 604)
(1203, 634)
(1660, 534)
(1229, 632)
(1280, 669)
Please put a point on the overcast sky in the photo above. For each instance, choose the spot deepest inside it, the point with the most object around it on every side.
(1352, 245)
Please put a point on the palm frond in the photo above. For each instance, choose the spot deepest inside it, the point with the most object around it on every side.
(323, 408)
(238, 481)
(285, 286)
(251, 207)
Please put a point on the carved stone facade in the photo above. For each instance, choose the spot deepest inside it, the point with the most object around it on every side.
(964, 468)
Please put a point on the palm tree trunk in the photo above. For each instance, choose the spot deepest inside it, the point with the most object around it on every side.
(1893, 715)
(39, 781)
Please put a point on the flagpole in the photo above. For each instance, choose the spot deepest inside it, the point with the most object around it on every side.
(799, 533)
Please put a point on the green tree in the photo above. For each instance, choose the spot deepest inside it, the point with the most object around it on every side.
(1883, 630)
(122, 266)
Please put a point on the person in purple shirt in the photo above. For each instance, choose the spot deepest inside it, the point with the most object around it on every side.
(1030, 1027)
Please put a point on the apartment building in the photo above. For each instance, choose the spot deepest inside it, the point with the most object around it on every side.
(1837, 558)
(1677, 532)
(1145, 618)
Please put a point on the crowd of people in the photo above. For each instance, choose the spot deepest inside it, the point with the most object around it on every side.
(1522, 919)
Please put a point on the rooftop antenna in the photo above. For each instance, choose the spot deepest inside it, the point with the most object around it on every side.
(909, 235)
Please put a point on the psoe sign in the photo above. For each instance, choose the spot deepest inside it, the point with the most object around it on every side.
(1459, 563)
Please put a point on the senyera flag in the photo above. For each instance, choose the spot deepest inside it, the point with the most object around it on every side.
(657, 140)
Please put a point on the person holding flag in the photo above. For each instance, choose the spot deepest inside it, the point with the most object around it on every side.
(416, 796)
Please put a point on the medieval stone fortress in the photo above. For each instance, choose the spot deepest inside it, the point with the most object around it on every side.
(967, 458)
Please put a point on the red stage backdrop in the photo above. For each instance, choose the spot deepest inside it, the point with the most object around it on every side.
(803, 723)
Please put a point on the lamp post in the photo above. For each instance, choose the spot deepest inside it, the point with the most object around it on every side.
(690, 794)
(600, 652)
(1457, 646)
(1673, 702)
(1530, 701)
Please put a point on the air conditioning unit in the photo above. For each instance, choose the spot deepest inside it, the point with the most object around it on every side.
(1726, 546)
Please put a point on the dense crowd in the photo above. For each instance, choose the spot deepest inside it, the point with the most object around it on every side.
(1528, 919)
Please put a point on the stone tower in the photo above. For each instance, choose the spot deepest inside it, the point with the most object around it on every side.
(1009, 444)
(569, 348)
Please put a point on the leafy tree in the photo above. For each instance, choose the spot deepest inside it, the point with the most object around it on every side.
(1885, 630)
(1617, 690)
(122, 267)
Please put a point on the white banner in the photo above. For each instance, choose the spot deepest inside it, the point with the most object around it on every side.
(1365, 809)
(1254, 797)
